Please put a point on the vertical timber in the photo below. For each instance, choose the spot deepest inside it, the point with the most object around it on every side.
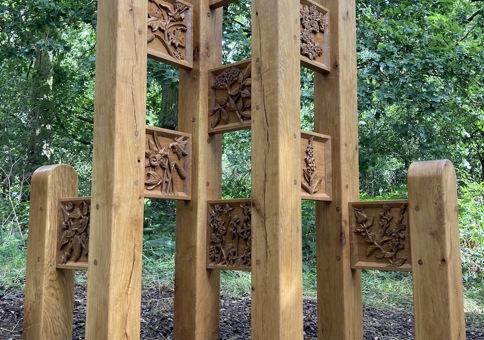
(114, 281)
(335, 106)
(276, 183)
(197, 289)
(436, 262)
(49, 292)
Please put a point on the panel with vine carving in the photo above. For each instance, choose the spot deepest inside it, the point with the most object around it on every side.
(316, 183)
(314, 36)
(73, 233)
(170, 36)
(229, 235)
(230, 97)
(167, 164)
(380, 235)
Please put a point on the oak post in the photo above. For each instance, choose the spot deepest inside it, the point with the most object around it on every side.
(197, 289)
(49, 292)
(335, 105)
(436, 262)
(114, 281)
(276, 173)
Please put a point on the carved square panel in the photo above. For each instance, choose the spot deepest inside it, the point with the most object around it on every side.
(168, 157)
(379, 235)
(170, 32)
(229, 234)
(73, 223)
(230, 97)
(316, 183)
(314, 36)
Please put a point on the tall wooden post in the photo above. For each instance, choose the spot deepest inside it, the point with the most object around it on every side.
(114, 281)
(335, 106)
(276, 184)
(434, 231)
(49, 292)
(197, 290)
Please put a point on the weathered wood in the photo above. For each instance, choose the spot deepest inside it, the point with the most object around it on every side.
(49, 292)
(316, 182)
(339, 287)
(115, 248)
(276, 173)
(197, 292)
(379, 235)
(168, 162)
(73, 226)
(437, 273)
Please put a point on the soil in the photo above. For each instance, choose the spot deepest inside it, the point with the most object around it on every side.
(157, 318)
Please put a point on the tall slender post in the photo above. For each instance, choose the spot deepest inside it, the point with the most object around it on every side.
(436, 263)
(276, 183)
(197, 292)
(49, 292)
(115, 247)
(335, 106)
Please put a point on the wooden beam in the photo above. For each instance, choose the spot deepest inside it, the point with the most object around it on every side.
(276, 171)
(49, 292)
(339, 287)
(437, 272)
(115, 247)
(197, 292)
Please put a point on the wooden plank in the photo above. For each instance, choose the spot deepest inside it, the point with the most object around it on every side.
(335, 110)
(276, 173)
(115, 247)
(379, 235)
(49, 292)
(197, 292)
(437, 273)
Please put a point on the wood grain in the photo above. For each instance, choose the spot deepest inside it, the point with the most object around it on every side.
(197, 292)
(437, 273)
(339, 287)
(49, 292)
(276, 173)
(114, 280)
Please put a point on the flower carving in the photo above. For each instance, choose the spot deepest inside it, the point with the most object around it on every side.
(312, 23)
(74, 241)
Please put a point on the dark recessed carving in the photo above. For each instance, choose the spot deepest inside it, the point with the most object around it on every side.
(229, 235)
(312, 23)
(311, 181)
(388, 241)
(73, 239)
(167, 164)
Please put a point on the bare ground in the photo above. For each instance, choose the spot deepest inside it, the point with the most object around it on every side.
(157, 318)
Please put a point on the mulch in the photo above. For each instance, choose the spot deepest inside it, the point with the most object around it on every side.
(157, 318)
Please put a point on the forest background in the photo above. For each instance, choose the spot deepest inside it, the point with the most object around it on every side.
(420, 97)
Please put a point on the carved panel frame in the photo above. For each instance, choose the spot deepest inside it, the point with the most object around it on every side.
(315, 32)
(316, 179)
(73, 226)
(229, 234)
(230, 97)
(379, 235)
(170, 32)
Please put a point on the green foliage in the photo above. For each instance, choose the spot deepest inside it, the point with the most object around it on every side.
(12, 263)
(236, 164)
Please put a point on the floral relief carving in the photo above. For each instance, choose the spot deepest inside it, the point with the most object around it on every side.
(233, 91)
(74, 239)
(164, 163)
(313, 22)
(230, 235)
(167, 23)
(311, 182)
(392, 239)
